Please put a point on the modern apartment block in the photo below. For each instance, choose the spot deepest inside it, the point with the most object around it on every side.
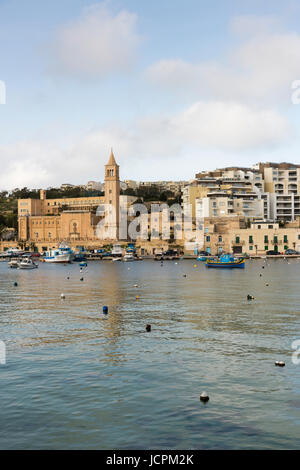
(269, 191)
(225, 193)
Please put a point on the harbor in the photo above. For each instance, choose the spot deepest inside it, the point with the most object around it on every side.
(75, 377)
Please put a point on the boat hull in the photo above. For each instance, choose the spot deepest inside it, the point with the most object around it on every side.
(58, 259)
(27, 267)
(240, 264)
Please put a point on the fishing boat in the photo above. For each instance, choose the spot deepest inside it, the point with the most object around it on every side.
(27, 263)
(62, 254)
(225, 261)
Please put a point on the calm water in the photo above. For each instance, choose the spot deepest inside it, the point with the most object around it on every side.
(76, 379)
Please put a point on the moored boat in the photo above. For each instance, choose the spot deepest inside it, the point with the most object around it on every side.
(129, 257)
(27, 263)
(13, 264)
(62, 254)
(225, 261)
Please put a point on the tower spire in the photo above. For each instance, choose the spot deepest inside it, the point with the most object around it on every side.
(111, 160)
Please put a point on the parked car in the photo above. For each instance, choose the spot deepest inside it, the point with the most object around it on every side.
(291, 252)
(273, 252)
(204, 253)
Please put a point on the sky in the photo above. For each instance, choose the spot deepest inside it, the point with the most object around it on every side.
(173, 86)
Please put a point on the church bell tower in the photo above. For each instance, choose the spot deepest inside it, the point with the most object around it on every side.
(112, 193)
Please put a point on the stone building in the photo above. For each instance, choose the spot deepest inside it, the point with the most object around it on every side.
(46, 222)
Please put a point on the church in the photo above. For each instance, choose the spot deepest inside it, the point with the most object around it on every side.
(44, 223)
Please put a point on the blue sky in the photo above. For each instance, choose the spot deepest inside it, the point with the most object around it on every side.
(173, 86)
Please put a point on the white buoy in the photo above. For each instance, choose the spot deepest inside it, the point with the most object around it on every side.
(204, 397)
(62, 296)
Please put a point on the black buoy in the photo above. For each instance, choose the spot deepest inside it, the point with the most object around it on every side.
(148, 327)
(81, 278)
(105, 309)
(204, 397)
(184, 275)
(250, 297)
(15, 284)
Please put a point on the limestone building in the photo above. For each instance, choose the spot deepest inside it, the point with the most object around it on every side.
(46, 222)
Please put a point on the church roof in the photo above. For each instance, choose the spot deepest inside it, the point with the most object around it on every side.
(112, 160)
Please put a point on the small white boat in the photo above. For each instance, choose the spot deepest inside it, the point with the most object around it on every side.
(13, 264)
(129, 257)
(27, 263)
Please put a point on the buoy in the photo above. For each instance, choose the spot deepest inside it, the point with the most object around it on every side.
(195, 266)
(137, 297)
(267, 284)
(263, 267)
(260, 275)
(81, 278)
(135, 285)
(204, 397)
(62, 296)
(148, 327)
(68, 278)
(250, 297)
(15, 284)
(184, 275)
(105, 310)
(279, 363)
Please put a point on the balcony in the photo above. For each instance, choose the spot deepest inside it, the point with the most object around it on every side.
(235, 243)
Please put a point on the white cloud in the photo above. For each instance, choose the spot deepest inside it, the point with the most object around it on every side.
(261, 67)
(96, 44)
(154, 147)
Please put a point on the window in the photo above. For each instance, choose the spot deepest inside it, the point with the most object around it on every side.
(250, 239)
(266, 248)
(208, 238)
(270, 226)
(275, 239)
(259, 226)
(286, 247)
(285, 239)
(220, 239)
(250, 247)
(237, 239)
(266, 239)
